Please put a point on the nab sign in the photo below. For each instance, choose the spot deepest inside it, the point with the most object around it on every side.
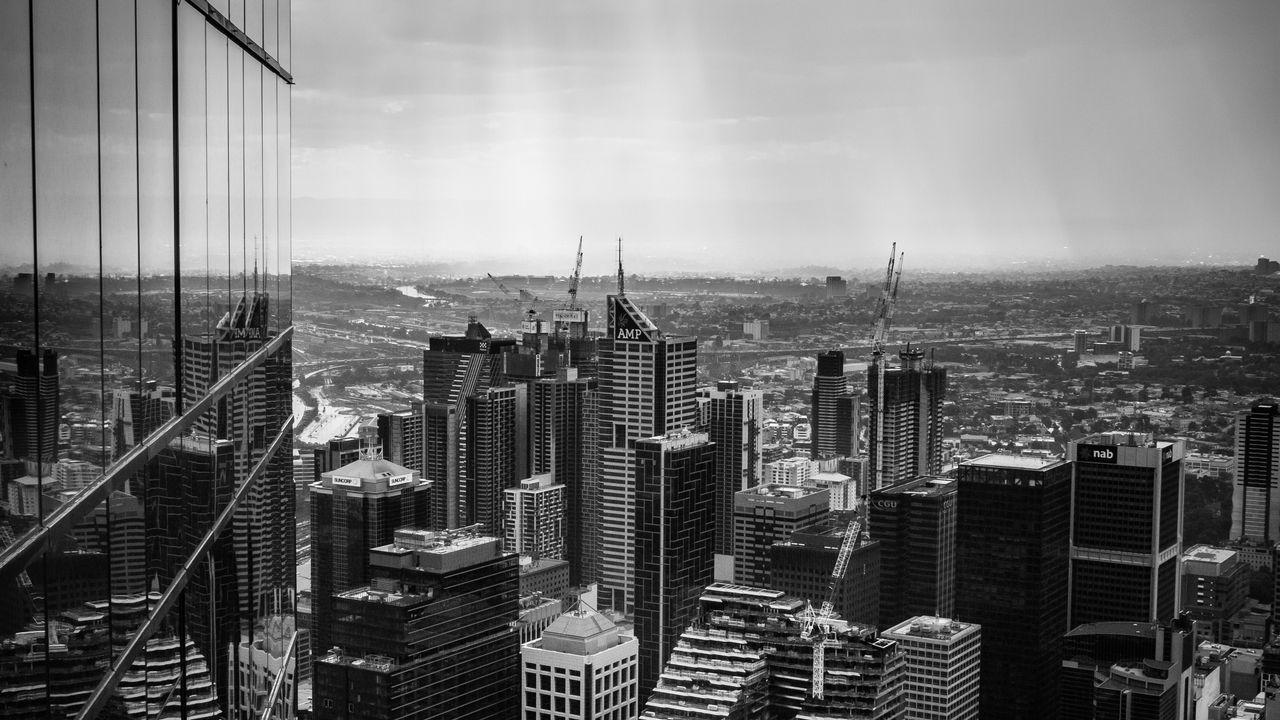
(1096, 454)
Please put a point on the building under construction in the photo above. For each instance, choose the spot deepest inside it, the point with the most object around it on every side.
(751, 654)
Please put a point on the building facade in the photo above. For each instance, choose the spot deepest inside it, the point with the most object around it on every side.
(581, 667)
(535, 518)
(562, 433)
(912, 435)
(944, 667)
(767, 514)
(802, 566)
(834, 419)
(733, 419)
(915, 523)
(1255, 497)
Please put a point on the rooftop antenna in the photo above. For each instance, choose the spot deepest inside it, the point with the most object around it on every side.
(622, 281)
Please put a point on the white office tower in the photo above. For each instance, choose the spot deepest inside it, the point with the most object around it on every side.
(582, 667)
(534, 524)
(646, 390)
(943, 663)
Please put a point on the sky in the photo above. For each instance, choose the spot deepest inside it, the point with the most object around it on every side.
(752, 136)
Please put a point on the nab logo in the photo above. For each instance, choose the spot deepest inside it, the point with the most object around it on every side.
(628, 334)
(1099, 454)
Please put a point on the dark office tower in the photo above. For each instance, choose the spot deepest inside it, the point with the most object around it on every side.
(734, 420)
(912, 418)
(454, 368)
(915, 523)
(400, 434)
(497, 454)
(1126, 537)
(837, 287)
(834, 417)
(1141, 313)
(117, 528)
(1126, 671)
(674, 541)
(29, 399)
(764, 515)
(433, 637)
(646, 389)
(145, 160)
(353, 509)
(337, 453)
(1255, 506)
(138, 412)
(191, 481)
(1013, 549)
(562, 422)
(802, 565)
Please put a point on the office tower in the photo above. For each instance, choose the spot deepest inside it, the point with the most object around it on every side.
(733, 423)
(674, 541)
(403, 650)
(713, 671)
(353, 509)
(534, 523)
(1126, 337)
(1013, 550)
(1255, 506)
(1215, 585)
(790, 471)
(117, 528)
(138, 412)
(400, 435)
(837, 287)
(1141, 313)
(802, 566)
(913, 395)
(944, 662)
(1080, 341)
(834, 418)
(646, 389)
(337, 453)
(562, 432)
(915, 523)
(582, 667)
(1131, 670)
(454, 368)
(842, 491)
(764, 515)
(496, 452)
(1126, 529)
(29, 397)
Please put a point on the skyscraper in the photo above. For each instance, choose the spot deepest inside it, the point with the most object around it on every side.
(764, 515)
(802, 566)
(1255, 497)
(646, 390)
(146, 161)
(835, 410)
(944, 662)
(353, 509)
(1132, 670)
(1013, 555)
(582, 667)
(913, 398)
(400, 434)
(915, 523)
(497, 452)
(674, 541)
(138, 412)
(1126, 537)
(734, 418)
(30, 407)
(562, 434)
(534, 518)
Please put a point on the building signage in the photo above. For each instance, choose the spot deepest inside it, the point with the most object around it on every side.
(1097, 454)
(400, 480)
(346, 481)
(626, 326)
(1166, 454)
(886, 504)
(569, 315)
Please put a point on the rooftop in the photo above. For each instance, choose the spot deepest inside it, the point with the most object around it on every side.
(1207, 553)
(1019, 462)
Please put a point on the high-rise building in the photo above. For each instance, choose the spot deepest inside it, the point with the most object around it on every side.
(1126, 529)
(138, 412)
(734, 419)
(338, 452)
(433, 636)
(790, 471)
(944, 663)
(355, 508)
(646, 390)
(535, 518)
(582, 667)
(497, 455)
(802, 566)
(837, 287)
(562, 433)
(913, 395)
(30, 406)
(835, 409)
(1255, 498)
(764, 515)
(1131, 670)
(454, 368)
(401, 434)
(1013, 550)
(674, 541)
(1215, 585)
(146, 161)
(915, 523)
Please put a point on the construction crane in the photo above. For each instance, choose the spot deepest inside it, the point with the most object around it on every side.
(813, 619)
(573, 280)
(524, 296)
(882, 320)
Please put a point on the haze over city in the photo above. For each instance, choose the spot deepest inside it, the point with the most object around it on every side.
(724, 136)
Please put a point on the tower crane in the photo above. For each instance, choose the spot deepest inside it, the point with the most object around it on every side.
(813, 620)
(577, 275)
(882, 320)
(523, 296)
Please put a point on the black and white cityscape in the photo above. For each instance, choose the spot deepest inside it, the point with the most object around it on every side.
(647, 361)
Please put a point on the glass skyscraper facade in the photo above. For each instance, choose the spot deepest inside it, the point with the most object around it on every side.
(146, 499)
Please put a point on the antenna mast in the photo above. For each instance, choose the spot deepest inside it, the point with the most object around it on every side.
(622, 279)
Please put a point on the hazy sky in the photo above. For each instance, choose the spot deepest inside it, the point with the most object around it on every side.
(749, 135)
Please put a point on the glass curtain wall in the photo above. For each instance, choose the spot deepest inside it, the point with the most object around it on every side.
(147, 559)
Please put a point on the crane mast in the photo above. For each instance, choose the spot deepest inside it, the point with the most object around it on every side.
(813, 620)
(577, 275)
(883, 319)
